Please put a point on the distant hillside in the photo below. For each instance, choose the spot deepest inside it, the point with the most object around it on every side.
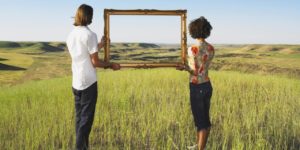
(33, 47)
(5, 44)
(134, 45)
(286, 49)
(40, 47)
(41, 60)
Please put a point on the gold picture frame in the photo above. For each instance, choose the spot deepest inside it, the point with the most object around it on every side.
(181, 13)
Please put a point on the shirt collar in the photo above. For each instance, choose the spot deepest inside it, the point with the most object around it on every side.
(80, 27)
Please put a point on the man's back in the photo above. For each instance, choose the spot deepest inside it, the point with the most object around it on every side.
(81, 43)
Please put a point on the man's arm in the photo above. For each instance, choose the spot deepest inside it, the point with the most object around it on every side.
(99, 63)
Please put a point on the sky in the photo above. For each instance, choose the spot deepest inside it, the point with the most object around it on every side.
(233, 21)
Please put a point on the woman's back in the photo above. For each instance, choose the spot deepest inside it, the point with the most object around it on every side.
(199, 59)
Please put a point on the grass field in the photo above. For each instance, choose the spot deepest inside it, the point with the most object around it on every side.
(248, 112)
(254, 106)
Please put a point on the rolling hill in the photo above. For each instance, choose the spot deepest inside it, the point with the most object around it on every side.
(43, 60)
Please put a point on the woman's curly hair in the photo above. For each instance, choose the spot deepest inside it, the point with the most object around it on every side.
(200, 28)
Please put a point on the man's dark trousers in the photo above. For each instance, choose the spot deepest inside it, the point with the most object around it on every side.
(85, 103)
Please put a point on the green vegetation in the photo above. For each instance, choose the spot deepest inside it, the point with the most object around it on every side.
(254, 106)
(280, 60)
(9, 63)
(145, 109)
(32, 61)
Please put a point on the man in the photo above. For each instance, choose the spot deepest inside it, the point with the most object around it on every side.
(83, 48)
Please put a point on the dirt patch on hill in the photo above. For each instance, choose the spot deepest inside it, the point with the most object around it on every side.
(3, 59)
(10, 67)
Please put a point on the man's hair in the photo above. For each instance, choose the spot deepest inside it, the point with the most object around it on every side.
(200, 28)
(84, 15)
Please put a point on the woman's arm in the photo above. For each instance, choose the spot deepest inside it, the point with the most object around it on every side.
(188, 69)
(190, 57)
(185, 67)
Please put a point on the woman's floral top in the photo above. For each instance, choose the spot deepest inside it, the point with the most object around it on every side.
(199, 58)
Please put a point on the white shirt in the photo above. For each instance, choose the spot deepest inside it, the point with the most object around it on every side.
(81, 43)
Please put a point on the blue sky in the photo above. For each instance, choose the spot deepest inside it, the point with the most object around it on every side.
(234, 22)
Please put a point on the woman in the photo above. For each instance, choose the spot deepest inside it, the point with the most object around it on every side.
(199, 58)
(83, 48)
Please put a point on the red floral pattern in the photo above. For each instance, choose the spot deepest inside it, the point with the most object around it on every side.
(195, 50)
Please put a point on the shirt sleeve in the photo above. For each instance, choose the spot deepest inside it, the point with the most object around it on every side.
(92, 44)
(190, 61)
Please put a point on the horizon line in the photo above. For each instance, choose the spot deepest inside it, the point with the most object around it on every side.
(32, 41)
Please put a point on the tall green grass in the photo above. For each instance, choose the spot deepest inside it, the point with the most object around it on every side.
(149, 109)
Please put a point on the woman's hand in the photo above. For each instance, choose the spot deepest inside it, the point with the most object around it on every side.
(181, 67)
(102, 42)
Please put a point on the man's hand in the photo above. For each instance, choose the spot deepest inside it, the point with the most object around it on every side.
(115, 66)
(102, 43)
